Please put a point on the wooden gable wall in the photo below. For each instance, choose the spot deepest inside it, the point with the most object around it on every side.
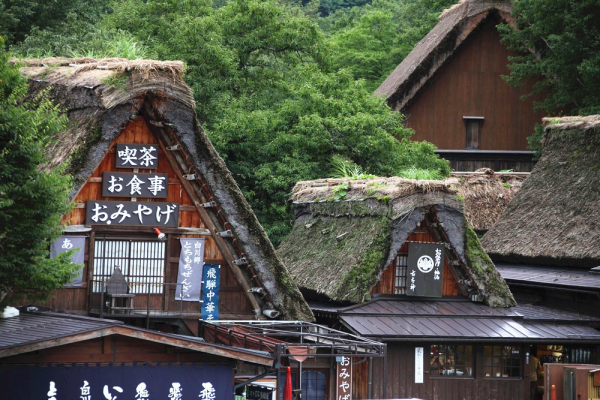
(233, 302)
(422, 233)
(470, 84)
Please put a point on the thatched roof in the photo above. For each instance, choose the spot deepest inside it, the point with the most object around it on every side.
(554, 219)
(487, 194)
(337, 250)
(432, 52)
(99, 98)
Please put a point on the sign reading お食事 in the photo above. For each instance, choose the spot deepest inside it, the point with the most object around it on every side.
(425, 269)
(128, 184)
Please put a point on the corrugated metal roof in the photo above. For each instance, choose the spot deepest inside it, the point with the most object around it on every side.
(548, 276)
(405, 306)
(543, 313)
(465, 328)
(30, 328)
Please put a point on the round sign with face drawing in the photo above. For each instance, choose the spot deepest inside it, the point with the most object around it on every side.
(425, 264)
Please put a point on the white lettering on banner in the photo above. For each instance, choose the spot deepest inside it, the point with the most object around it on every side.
(67, 244)
(208, 392)
(52, 391)
(175, 391)
(85, 391)
(344, 379)
(108, 393)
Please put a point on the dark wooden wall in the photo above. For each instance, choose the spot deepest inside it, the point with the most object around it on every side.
(233, 302)
(385, 285)
(470, 84)
(401, 377)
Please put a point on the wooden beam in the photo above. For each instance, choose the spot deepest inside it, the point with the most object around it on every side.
(178, 164)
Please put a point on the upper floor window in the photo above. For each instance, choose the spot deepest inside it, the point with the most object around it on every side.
(451, 361)
(142, 263)
(473, 132)
(501, 362)
(400, 274)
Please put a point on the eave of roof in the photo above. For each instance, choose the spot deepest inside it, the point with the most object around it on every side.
(37, 331)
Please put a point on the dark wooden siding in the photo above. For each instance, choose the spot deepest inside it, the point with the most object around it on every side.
(471, 85)
(401, 377)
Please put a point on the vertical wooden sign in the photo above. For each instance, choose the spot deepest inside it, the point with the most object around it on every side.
(344, 379)
(418, 364)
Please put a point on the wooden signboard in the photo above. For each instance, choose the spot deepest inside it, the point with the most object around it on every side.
(129, 184)
(131, 213)
(144, 156)
(425, 269)
(344, 379)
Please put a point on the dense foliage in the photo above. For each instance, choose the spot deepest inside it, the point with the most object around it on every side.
(277, 92)
(565, 37)
(31, 200)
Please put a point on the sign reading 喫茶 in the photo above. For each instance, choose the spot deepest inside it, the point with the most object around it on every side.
(143, 156)
(425, 269)
(66, 243)
(211, 284)
(130, 184)
(191, 260)
(100, 212)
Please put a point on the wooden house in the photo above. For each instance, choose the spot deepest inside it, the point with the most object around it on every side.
(450, 89)
(155, 207)
(45, 355)
(396, 261)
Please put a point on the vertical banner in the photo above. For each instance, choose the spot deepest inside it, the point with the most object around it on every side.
(418, 365)
(189, 277)
(211, 283)
(425, 269)
(65, 243)
(344, 379)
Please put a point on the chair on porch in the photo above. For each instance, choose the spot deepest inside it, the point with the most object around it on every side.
(120, 301)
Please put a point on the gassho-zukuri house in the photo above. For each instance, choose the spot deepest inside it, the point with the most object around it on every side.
(395, 260)
(167, 243)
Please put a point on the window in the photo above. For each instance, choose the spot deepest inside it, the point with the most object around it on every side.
(501, 362)
(473, 132)
(400, 274)
(451, 361)
(142, 263)
(314, 385)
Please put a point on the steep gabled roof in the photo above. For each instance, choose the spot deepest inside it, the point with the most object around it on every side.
(101, 96)
(338, 250)
(554, 218)
(434, 50)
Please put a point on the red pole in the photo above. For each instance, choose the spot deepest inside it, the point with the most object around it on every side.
(553, 392)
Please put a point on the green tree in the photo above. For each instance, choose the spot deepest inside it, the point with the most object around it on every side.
(322, 117)
(559, 41)
(32, 200)
(374, 39)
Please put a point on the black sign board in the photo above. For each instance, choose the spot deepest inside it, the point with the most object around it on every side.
(129, 184)
(258, 393)
(131, 213)
(143, 156)
(425, 269)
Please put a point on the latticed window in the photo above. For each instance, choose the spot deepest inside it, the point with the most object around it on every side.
(400, 274)
(142, 263)
(314, 385)
(501, 362)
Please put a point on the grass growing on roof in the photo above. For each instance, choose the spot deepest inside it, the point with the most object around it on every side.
(340, 257)
(484, 273)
